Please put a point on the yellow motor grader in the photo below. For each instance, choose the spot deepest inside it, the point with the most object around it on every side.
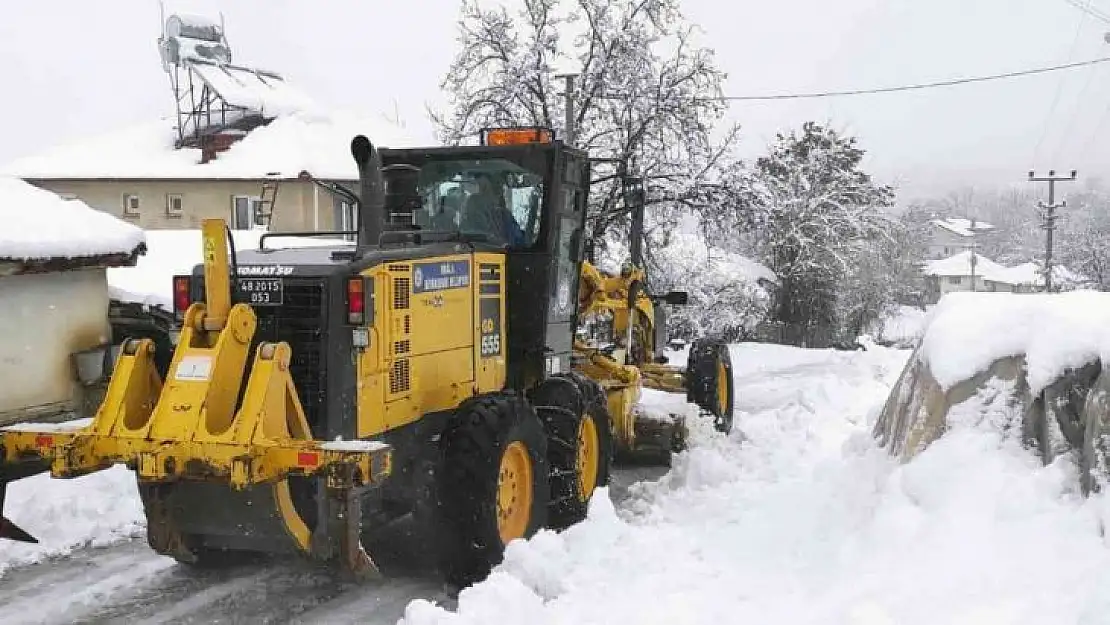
(432, 367)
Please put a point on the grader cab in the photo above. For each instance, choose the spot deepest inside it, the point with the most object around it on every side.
(431, 369)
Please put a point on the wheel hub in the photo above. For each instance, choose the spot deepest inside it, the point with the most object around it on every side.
(514, 492)
(588, 453)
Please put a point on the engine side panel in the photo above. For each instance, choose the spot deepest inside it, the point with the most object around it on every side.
(437, 338)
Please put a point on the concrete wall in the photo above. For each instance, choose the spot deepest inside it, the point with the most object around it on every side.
(300, 205)
(43, 320)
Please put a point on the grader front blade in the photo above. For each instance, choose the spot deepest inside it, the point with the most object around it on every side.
(221, 462)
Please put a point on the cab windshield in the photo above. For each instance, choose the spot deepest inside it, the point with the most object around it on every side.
(492, 198)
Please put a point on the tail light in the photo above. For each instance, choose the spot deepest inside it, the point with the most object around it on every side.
(360, 294)
(182, 295)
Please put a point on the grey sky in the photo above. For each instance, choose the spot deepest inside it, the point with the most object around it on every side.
(71, 68)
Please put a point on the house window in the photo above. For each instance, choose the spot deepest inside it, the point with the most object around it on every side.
(245, 211)
(174, 204)
(130, 204)
(956, 280)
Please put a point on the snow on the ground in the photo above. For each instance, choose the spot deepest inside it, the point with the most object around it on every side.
(966, 332)
(902, 327)
(40, 225)
(67, 514)
(801, 519)
(176, 252)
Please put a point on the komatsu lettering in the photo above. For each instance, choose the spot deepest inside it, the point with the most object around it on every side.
(265, 270)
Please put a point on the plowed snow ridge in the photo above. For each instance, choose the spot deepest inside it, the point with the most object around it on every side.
(807, 522)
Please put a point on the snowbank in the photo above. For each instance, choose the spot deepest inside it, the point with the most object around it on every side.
(807, 521)
(64, 515)
(317, 143)
(966, 332)
(171, 252)
(902, 327)
(40, 225)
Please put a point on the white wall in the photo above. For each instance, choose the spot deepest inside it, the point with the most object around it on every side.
(43, 319)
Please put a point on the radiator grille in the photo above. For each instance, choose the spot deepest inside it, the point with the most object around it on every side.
(402, 347)
(299, 322)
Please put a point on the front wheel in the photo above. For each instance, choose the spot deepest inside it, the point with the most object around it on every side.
(492, 487)
(709, 381)
(580, 444)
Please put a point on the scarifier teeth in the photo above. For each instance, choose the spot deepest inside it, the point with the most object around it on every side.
(11, 531)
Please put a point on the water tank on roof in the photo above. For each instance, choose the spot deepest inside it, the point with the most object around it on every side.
(190, 38)
(194, 27)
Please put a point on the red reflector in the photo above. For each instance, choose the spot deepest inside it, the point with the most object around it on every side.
(308, 459)
(44, 441)
(355, 303)
(181, 290)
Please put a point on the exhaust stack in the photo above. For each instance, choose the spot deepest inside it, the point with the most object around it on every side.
(371, 205)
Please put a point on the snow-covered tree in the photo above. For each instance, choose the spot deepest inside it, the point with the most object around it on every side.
(646, 96)
(1083, 241)
(819, 224)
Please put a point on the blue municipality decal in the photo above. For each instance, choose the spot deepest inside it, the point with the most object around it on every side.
(442, 275)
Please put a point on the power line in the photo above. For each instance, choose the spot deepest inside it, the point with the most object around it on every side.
(1060, 83)
(927, 85)
(1088, 9)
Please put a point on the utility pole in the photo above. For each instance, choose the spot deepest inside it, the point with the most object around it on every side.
(1050, 218)
(974, 249)
(568, 104)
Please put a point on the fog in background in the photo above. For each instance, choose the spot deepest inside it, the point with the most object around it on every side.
(71, 68)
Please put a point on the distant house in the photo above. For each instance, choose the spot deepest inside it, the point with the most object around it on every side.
(138, 175)
(54, 257)
(242, 145)
(952, 235)
(966, 271)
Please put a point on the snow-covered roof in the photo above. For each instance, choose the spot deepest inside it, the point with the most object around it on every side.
(41, 226)
(314, 142)
(963, 227)
(1033, 274)
(960, 265)
(175, 252)
(1025, 274)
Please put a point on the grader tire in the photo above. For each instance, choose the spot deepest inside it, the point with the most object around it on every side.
(709, 382)
(580, 447)
(492, 486)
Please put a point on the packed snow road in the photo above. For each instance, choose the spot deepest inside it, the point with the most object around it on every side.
(125, 582)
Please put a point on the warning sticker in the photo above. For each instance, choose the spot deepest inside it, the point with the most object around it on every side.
(194, 369)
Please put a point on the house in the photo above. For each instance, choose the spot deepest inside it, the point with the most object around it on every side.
(956, 234)
(139, 175)
(964, 271)
(54, 257)
(968, 271)
(243, 145)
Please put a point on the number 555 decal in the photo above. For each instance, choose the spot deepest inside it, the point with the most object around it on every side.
(489, 313)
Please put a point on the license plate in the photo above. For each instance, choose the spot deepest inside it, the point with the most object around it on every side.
(261, 291)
